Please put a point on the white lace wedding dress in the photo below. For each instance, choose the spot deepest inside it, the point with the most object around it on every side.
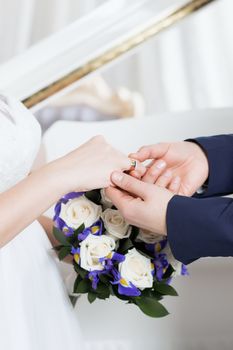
(35, 313)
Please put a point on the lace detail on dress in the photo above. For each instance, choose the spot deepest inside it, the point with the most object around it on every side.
(19, 142)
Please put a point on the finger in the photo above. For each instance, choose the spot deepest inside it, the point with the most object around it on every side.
(140, 168)
(154, 171)
(135, 174)
(137, 167)
(118, 197)
(139, 172)
(174, 186)
(130, 184)
(126, 164)
(165, 179)
(151, 152)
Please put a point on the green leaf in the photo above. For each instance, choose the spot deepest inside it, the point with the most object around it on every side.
(94, 196)
(165, 289)
(140, 246)
(147, 254)
(148, 292)
(156, 295)
(79, 270)
(125, 245)
(64, 251)
(103, 291)
(60, 237)
(83, 287)
(91, 297)
(79, 229)
(103, 296)
(76, 283)
(168, 272)
(151, 307)
(134, 233)
(111, 290)
(104, 279)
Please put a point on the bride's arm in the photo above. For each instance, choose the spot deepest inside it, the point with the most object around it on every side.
(88, 167)
(47, 224)
(45, 221)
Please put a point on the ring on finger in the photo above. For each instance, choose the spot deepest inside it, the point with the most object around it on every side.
(133, 165)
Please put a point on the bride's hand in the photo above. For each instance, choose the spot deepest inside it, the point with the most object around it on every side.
(90, 166)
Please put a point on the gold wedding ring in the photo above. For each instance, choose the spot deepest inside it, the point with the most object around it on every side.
(133, 165)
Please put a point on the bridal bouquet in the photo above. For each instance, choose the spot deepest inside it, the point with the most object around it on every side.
(112, 257)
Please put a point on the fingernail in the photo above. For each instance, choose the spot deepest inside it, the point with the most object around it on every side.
(161, 164)
(117, 177)
(167, 173)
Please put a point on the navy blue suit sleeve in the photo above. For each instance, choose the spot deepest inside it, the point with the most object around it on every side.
(199, 228)
(219, 151)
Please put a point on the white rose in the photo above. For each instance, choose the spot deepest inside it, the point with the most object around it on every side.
(92, 249)
(105, 200)
(115, 224)
(137, 269)
(149, 237)
(80, 211)
(177, 265)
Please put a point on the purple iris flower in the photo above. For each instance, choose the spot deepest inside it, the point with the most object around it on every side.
(108, 261)
(76, 253)
(124, 287)
(83, 235)
(160, 245)
(60, 224)
(75, 250)
(108, 265)
(161, 264)
(96, 229)
(184, 270)
(94, 277)
(156, 247)
(168, 281)
(116, 276)
(116, 257)
(130, 291)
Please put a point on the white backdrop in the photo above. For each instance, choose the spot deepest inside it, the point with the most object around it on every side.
(189, 66)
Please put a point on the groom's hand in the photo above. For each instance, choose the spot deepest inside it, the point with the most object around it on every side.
(142, 204)
(185, 163)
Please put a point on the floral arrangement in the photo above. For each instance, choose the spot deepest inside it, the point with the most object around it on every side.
(111, 257)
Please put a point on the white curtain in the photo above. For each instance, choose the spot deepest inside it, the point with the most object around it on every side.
(190, 66)
(24, 22)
